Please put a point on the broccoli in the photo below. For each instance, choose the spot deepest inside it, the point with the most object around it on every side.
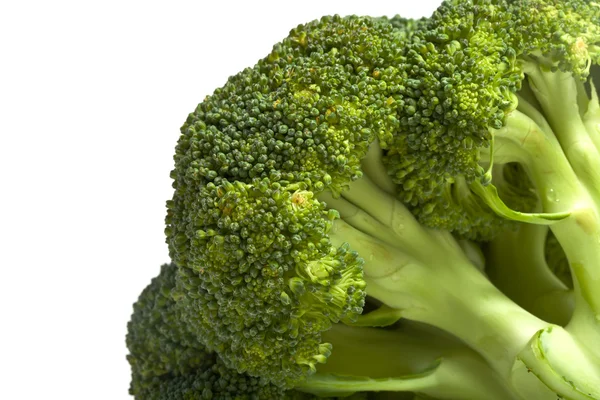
(388, 205)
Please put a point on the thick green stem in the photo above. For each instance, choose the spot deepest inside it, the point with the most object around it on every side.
(558, 94)
(560, 189)
(425, 274)
(405, 359)
(579, 235)
(559, 360)
(440, 291)
(444, 297)
(371, 210)
(516, 264)
(373, 167)
(564, 165)
(436, 284)
(591, 118)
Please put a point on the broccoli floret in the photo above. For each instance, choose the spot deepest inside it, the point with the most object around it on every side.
(464, 66)
(167, 360)
(266, 295)
(305, 113)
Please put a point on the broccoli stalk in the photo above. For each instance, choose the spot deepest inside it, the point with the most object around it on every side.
(406, 358)
(436, 284)
(570, 179)
(433, 283)
(517, 265)
(557, 148)
(502, 81)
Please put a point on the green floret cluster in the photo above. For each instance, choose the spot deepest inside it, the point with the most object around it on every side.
(266, 292)
(168, 362)
(386, 208)
(305, 113)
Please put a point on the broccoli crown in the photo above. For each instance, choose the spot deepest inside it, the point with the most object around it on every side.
(168, 363)
(463, 67)
(261, 297)
(305, 113)
(158, 340)
(259, 276)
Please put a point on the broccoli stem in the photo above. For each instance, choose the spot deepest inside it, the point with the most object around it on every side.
(516, 264)
(402, 275)
(443, 297)
(563, 162)
(404, 359)
(591, 118)
(373, 167)
(578, 189)
(560, 189)
(439, 291)
(558, 94)
(436, 284)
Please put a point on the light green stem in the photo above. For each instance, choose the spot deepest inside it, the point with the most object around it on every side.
(516, 264)
(559, 189)
(440, 291)
(591, 118)
(405, 359)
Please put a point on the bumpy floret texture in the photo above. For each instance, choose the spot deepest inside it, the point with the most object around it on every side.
(168, 363)
(465, 68)
(305, 113)
(261, 297)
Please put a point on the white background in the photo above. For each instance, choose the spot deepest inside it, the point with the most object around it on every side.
(92, 95)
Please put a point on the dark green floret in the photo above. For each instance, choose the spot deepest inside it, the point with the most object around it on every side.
(465, 69)
(262, 279)
(168, 364)
(305, 113)
(167, 360)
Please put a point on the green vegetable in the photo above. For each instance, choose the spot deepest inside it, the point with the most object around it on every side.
(367, 210)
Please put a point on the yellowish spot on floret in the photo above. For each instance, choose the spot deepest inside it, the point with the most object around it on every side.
(580, 49)
(302, 198)
(306, 96)
(227, 209)
(301, 39)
